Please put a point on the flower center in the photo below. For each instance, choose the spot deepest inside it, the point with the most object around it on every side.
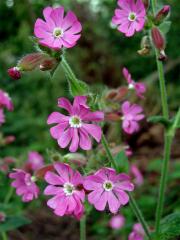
(57, 32)
(68, 189)
(75, 122)
(108, 185)
(131, 86)
(132, 16)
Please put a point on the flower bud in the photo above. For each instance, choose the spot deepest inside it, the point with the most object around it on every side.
(31, 61)
(162, 14)
(113, 116)
(48, 64)
(9, 139)
(159, 42)
(145, 46)
(158, 39)
(76, 158)
(14, 73)
(146, 4)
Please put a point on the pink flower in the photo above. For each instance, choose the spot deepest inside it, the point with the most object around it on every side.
(130, 17)
(25, 185)
(2, 117)
(137, 233)
(58, 31)
(107, 187)
(137, 175)
(117, 221)
(140, 88)
(75, 129)
(66, 186)
(35, 161)
(5, 101)
(131, 115)
(14, 73)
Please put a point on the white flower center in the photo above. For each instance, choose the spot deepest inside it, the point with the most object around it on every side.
(75, 122)
(132, 16)
(68, 189)
(131, 86)
(58, 32)
(108, 186)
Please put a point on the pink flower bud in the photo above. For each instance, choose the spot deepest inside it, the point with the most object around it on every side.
(9, 139)
(14, 73)
(158, 38)
(31, 61)
(159, 42)
(162, 14)
(146, 4)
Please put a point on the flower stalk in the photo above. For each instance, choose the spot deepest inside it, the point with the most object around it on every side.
(83, 228)
(168, 138)
(133, 203)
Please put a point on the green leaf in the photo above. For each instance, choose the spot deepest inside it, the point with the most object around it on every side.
(165, 27)
(170, 227)
(122, 162)
(160, 119)
(13, 223)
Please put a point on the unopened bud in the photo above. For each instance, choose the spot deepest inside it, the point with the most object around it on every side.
(14, 73)
(145, 46)
(31, 61)
(146, 4)
(9, 139)
(162, 14)
(158, 39)
(76, 158)
(115, 117)
(48, 64)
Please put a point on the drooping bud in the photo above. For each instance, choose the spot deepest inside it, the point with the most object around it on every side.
(76, 158)
(48, 64)
(117, 94)
(31, 61)
(159, 42)
(14, 73)
(146, 4)
(112, 116)
(9, 139)
(40, 173)
(162, 14)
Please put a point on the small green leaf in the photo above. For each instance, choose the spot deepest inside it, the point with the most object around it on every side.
(13, 223)
(160, 119)
(122, 162)
(165, 27)
(170, 227)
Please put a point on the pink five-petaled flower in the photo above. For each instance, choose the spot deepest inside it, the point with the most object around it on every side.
(57, 31)
(107, 187)
(67, 189)
(25, 185)
(131, 115)
(2, 117)
(140, 88)
(130, 17)
(35, 161)
(5, 101)
(75, 129)
(117, 221)
(137, 233)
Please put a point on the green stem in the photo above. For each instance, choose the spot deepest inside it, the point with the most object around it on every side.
(4, 236)
(9, 195)
(133, 203)
(83, 228)
(163, 180)
(106, 146)
(139, 215)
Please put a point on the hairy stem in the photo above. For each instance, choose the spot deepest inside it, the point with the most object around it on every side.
(83, 228)
(4, 236)
(167, 139)
(9, 195)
